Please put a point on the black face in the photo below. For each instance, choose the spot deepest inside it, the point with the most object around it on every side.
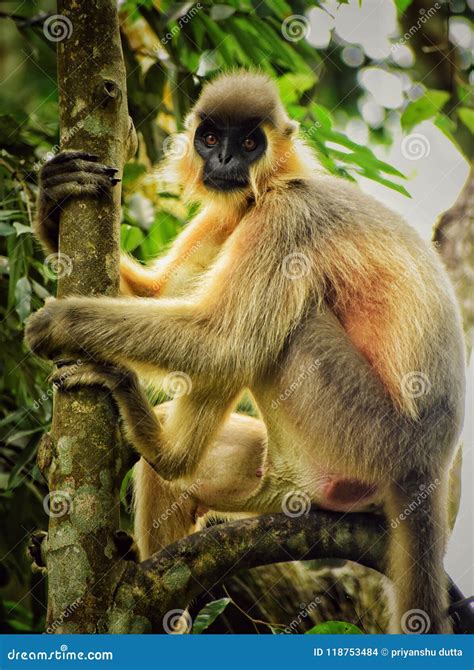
(228, 152)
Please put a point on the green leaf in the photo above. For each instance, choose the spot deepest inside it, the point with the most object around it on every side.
(376, 176)
(293, 85)
(467, 117)
(424, 108)
(402, 5)
(25, 457)
(130, 237)
(21, 229)
(322, 115)
(220, 12)
(6, 229)
(9, 213)
(23, 298)
(334, 628)
(124, 488)
(209, 614)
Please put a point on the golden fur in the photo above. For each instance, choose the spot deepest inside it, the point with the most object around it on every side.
(329, 308)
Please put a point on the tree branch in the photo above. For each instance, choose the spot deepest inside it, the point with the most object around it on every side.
(174, 576)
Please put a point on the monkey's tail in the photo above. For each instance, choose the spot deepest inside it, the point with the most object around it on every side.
(417, 517)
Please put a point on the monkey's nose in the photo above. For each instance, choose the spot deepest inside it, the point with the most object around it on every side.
(225, 160)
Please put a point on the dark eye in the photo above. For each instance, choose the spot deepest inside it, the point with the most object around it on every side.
(249, 144)
(210, 140)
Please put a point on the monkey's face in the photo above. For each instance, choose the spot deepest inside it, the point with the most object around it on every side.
(228, 151)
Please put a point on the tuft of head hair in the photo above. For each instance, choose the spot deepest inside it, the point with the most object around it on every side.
(243, 95)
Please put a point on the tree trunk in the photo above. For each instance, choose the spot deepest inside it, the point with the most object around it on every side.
(84, 459)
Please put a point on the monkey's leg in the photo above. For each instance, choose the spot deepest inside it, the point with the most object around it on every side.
(229, 475)
(68, 174)
(142, 426)
(361, 433)
(173, 447)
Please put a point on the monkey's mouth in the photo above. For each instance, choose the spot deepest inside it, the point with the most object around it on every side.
(224, 183)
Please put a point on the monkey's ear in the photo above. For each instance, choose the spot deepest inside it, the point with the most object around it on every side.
(291, 128)
(190, 121)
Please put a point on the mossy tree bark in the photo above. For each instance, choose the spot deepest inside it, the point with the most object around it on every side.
(83, 458)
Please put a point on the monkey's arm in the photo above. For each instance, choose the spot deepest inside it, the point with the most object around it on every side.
(191, 248)
(229, 331)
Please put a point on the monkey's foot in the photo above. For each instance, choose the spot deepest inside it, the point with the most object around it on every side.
(34, 548)
(126, 547)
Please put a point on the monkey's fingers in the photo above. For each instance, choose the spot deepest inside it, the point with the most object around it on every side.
(72, 374)
(75, 173)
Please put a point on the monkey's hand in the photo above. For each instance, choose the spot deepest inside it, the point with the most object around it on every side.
(68, 174)
(47, 333)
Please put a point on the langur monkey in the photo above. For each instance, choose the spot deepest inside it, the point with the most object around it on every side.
(295, 285)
